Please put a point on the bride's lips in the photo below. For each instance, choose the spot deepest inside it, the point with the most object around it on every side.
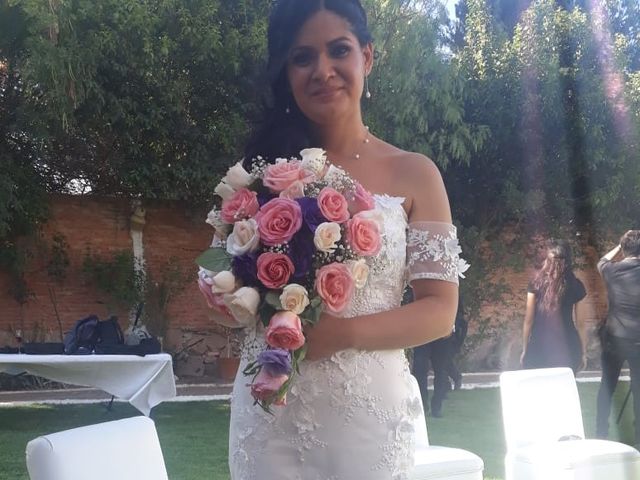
(325, 94)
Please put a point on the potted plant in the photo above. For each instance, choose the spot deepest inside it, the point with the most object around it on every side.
(229, 358)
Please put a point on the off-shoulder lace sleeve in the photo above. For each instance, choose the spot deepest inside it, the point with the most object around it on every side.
(433, 252)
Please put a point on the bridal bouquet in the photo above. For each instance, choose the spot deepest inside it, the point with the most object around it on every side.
(291, 239)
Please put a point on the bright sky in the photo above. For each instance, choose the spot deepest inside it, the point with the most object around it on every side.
(451, 4)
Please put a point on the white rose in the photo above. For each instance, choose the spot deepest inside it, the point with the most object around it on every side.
(313, 161)
(223, 282)
(244, 238)
(359, 272)
(224, 190)
(326, 236)
(243, 304)
(294, 298)
(237, 177)
(221, 228)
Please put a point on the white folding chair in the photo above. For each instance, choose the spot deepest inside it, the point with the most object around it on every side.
(122, 449)
(545, 434)
(443, 463)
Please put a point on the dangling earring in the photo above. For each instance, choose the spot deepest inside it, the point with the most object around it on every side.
(287, 110)
(367, 93)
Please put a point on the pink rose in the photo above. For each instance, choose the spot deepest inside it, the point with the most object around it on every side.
(282, 175)
(266, 386)
(285, 331)
(274, 269)
(242, 204)
(363, 235)
(333, 205)
(278, 220)
(335, 286)
(360, 200)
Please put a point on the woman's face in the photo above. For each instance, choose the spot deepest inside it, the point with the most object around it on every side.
(326, 68)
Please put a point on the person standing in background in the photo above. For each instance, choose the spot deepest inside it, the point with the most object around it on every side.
(621, 333)
(549, 335)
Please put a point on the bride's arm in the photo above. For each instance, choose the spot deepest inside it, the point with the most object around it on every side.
(429, 317)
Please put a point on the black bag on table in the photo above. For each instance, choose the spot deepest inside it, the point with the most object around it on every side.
(82, 338)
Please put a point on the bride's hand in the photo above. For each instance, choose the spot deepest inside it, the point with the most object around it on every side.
(326, 337)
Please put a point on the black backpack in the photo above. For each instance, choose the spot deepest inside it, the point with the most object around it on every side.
(82, 338)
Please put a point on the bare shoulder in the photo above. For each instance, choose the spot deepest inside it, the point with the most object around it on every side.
(420, 178)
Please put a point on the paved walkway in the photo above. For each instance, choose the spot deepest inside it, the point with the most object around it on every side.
(198, 391)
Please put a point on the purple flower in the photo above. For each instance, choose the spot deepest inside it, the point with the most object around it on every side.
(264, 197)
(276, 361)
(301, 250)
(245, 268)
(311, 213)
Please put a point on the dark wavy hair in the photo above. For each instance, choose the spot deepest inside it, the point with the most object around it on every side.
(282, 134)
(630, 243)
(551, 280)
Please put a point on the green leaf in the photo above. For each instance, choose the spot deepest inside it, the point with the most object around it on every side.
(273, 299)
(266, 311)
(312, 313)
(215, 259)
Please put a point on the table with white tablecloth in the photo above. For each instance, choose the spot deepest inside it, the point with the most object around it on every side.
(143, 381)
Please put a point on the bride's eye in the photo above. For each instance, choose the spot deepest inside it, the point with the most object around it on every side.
(301, 59)
(340, 51)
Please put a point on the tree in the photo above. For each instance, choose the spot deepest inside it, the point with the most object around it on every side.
(137, 98)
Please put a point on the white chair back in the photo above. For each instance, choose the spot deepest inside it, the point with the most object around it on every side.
(126, 449)
(540, 405)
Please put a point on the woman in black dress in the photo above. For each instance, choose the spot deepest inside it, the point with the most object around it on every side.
(549, 336)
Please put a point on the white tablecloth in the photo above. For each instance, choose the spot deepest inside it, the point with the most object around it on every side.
(143, 381)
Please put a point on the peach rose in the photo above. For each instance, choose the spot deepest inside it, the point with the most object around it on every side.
(360, 200)
(333, 205)
(274, 269)
(293, 191)
(214, 301)
(335, 286)
(265, 386)
(294, 298)
(223, 282)
(285, 331)
(243, 305)
(327, 236)
(242, 204)
(278, 220)
(281, 175)
(363, 235)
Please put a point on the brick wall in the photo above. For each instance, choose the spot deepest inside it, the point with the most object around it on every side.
(174, 229)
(102, 225)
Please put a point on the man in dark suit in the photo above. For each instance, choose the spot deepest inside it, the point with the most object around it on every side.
(440, 354)
(621, 332)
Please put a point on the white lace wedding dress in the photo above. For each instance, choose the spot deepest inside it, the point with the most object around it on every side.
(348, 417)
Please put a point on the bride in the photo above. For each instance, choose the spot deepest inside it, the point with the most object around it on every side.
(349, 414)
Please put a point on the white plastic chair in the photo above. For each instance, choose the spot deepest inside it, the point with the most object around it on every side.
(122, 449)
(443, 463)
(545, 434)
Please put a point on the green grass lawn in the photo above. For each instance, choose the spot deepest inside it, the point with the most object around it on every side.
(194, 435)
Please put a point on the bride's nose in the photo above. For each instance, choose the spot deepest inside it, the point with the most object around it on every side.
(324, 68)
